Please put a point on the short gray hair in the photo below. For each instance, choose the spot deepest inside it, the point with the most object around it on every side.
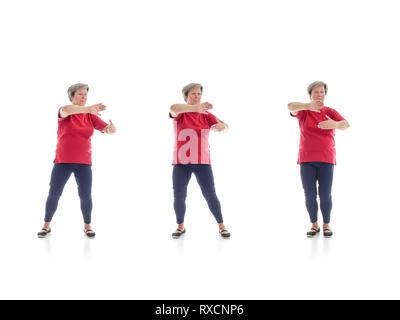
(317, 84)
(72, 89)
(190, 86)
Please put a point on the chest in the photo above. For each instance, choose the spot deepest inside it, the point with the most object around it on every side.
(77, 124)
(193, 120)
(311, 119)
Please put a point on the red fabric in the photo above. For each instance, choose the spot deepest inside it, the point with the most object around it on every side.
(192, 130)
(74, 137)
(317, 144)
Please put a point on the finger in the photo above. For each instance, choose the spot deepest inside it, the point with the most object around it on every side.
(328, 117)
(111, 122)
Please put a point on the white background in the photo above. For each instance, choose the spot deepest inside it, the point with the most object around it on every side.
(253, 57)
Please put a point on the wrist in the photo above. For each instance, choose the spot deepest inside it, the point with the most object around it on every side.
(194, 108)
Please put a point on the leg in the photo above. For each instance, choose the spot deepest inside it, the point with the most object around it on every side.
(205, 178)
(59, 177)
(83, 177)
(325, 179)
(180, 179)
(308, 174)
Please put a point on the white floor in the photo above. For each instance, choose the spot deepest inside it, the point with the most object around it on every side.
(268, 256)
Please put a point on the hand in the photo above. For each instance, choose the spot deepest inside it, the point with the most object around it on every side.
(202, 107)
(94, 109)
(315, 105)
(328, 124)
(219, 127)
(110, 129)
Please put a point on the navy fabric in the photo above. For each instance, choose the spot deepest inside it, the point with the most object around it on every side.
(181, 176)
(59, 177)
(311, 173)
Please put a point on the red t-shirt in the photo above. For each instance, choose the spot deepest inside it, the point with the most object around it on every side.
(192, 130)
(317, 144)
(73, 137)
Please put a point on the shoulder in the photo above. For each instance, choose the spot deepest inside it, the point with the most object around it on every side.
(329, 110)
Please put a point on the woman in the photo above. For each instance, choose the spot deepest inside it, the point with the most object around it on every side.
(317, 154)
(73, 153)
(192, 124)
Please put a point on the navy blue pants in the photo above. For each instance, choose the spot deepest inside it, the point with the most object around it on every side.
(59, 177)
(311, 172)
(181, 176)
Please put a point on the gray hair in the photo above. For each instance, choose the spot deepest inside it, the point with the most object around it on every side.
(72, 89)
(190, 86)
(317, 84)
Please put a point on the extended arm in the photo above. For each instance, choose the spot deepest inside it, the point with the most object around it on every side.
(176, 109)
(295, 107)
(75, 109)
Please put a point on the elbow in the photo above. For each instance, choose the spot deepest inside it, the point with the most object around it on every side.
(173, 111)
(290, 106)
(65, 111)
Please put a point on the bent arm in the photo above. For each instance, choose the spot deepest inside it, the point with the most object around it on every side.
(73, 109)
(176, 109)
(314, 106)
(295, 107)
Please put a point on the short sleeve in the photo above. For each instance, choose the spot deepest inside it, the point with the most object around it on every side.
(299, 115)
(211, 119)
(334, 115)
(98, 124)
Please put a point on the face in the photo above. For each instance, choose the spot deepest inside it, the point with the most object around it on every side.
(318, 93)
(194, 96)
(80, 97)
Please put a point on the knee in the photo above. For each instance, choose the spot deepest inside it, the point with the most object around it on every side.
(55, 193)
(325, 196)
(179, 195)
(310, 194)
(85, 195)
(210, 195)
